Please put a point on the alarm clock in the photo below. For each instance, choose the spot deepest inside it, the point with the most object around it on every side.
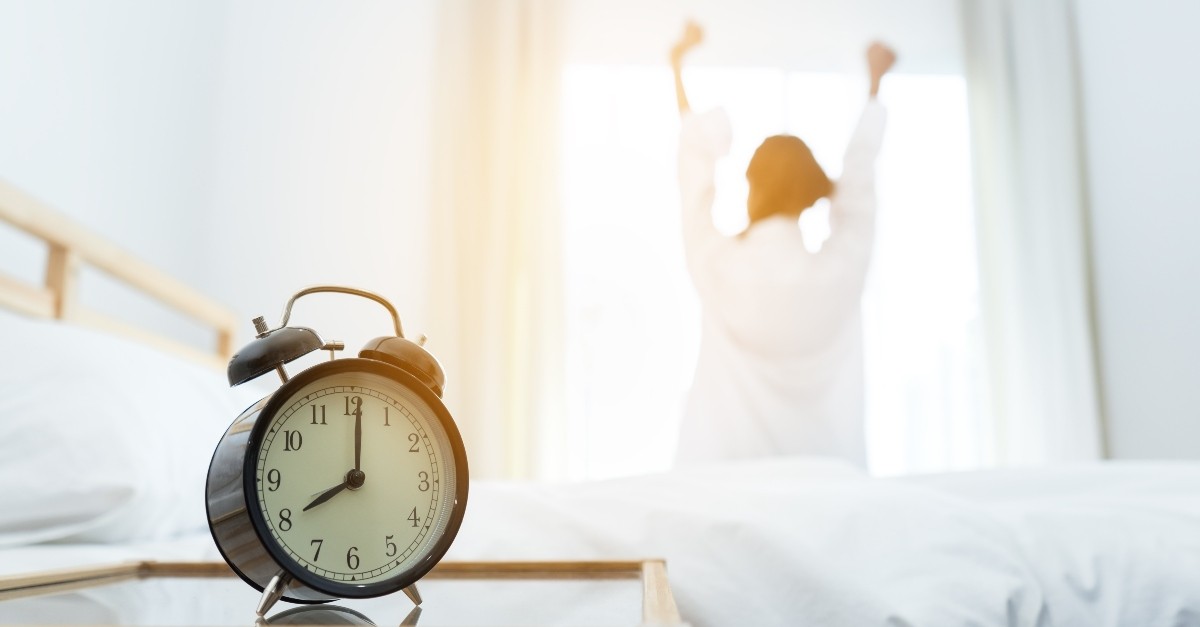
(349, 480)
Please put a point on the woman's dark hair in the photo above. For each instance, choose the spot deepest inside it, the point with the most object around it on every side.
(784, 178)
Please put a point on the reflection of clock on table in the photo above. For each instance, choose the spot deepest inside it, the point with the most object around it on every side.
(349, 481)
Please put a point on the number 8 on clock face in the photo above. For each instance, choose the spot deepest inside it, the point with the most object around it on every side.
(351, 478)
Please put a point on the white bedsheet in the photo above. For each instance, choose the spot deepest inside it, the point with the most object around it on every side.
(814, 542)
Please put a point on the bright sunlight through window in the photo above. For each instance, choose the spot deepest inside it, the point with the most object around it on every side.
(633, 319)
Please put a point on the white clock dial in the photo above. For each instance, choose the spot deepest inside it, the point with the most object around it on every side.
(355, 519)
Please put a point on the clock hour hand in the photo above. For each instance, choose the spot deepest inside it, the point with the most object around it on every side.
(328, 494)
(354, 480)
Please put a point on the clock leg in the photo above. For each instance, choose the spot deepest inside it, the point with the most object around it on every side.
(273, 592)
(413, 595)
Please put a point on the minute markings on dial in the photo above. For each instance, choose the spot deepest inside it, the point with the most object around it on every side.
(304, 491)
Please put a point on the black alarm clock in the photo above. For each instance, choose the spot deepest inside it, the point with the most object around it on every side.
(349, 481)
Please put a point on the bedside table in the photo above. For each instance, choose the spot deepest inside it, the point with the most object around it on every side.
(455, 593)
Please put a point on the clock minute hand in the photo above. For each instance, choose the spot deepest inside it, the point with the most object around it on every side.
(326, 495)
(358, 438)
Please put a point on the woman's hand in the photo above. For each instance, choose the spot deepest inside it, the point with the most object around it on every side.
(692, 36)
(880, 59)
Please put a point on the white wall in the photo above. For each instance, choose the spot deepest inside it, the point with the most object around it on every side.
(1141, 102)
(250, 149)
(105, 114)
(321, 172)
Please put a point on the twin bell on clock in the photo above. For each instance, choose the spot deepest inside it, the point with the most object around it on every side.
(349, 480)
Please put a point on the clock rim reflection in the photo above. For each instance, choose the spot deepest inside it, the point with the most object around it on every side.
(267, 416)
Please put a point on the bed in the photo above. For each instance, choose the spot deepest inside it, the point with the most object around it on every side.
(94, 471)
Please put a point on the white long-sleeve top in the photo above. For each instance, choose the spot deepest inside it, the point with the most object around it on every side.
(780, 370)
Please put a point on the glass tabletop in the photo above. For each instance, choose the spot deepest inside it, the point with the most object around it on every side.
(213, 596)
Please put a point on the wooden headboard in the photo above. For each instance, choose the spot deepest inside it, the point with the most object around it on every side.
(69, 247)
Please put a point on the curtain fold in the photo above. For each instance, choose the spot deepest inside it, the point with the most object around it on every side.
(1033, 231)
(497, 294)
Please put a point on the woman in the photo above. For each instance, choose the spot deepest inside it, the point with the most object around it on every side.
(780, 369)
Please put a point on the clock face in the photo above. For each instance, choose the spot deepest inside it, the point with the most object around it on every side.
(356, 480)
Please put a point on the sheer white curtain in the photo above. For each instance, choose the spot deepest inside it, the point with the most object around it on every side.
(497, 298)
(1032, 226)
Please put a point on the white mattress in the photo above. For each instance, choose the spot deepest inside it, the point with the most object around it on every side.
(796, 542)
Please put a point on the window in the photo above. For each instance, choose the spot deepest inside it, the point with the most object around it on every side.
(633, 320)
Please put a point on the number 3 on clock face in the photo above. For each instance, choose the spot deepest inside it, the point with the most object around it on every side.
(355, 482)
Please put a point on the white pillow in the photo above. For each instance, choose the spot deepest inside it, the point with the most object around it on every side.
(103, 439)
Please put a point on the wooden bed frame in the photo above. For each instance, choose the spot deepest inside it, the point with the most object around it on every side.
(69, 247)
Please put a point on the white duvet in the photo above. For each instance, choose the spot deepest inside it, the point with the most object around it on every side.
(813, 542)
(810, 542)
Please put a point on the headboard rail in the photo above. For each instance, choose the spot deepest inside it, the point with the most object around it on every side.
(70, 246)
